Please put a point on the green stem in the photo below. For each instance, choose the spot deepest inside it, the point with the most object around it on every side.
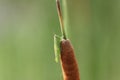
(61, 19)
(65, 14)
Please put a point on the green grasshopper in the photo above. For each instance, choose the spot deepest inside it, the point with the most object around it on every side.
(57, 41)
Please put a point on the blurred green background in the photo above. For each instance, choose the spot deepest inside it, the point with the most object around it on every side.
(27, 28)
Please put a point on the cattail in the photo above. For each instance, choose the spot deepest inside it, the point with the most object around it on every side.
(68, 61)
(67, 58)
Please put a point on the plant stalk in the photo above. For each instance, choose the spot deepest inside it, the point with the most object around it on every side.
(61, 19)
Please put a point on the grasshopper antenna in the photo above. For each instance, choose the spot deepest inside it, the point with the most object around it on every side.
(60, 19)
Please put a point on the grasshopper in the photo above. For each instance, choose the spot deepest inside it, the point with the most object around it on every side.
(57, 41)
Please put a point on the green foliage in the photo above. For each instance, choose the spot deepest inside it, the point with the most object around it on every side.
(26, 38)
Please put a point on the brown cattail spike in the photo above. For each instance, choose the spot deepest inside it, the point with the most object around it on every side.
(68, 61)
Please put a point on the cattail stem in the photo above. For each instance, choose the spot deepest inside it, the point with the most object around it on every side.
(61, 19)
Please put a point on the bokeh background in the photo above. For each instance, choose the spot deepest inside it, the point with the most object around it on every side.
(27, 28)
